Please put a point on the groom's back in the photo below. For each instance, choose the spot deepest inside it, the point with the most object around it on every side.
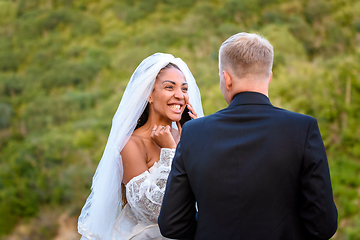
(243, 164)
(256, 171)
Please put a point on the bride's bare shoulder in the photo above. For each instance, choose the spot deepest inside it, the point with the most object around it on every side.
(133, 158)
(134, 146)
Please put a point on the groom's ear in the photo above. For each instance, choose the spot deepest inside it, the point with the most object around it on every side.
(228, 80)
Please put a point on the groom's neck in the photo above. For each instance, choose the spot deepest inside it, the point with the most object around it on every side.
(250, 85)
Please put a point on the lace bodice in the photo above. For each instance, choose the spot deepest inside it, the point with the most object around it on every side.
(145, 191)
(144, 194)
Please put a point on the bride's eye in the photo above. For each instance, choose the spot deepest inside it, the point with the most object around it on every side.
(185, 89)
(169, 87)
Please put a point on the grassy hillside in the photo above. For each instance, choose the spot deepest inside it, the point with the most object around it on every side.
(64, 65)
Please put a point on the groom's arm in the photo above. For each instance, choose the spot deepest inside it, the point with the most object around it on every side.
(318, 209)
(177, 215)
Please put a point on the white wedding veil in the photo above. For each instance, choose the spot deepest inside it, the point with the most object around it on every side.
(104, 203)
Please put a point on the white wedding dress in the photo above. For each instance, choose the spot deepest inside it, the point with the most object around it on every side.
(144, 193)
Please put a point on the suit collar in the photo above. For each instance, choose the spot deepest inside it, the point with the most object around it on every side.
(249, 98)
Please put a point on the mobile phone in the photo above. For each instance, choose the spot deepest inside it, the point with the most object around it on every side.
(185, 116)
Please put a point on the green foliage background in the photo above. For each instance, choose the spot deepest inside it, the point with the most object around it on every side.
(64, 65)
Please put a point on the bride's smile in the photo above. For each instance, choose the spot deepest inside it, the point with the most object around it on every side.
(177, 108)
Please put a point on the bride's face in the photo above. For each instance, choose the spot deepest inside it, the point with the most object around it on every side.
(169, 97)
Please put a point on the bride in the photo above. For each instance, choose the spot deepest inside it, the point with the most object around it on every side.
(129, 183)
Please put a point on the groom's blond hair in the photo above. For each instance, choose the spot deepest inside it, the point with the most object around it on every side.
(246, 54)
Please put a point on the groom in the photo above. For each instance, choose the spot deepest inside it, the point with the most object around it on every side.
(255, 171)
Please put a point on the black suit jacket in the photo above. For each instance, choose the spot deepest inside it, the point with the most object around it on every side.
(255, 171)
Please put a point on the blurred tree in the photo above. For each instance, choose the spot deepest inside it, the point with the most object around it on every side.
(26, 6)
(316, 10)
(242, 12)
(7, 11)
(54, 18)
(5, 115)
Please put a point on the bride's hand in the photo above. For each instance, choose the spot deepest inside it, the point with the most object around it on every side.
(162, 136)
(192, 112)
